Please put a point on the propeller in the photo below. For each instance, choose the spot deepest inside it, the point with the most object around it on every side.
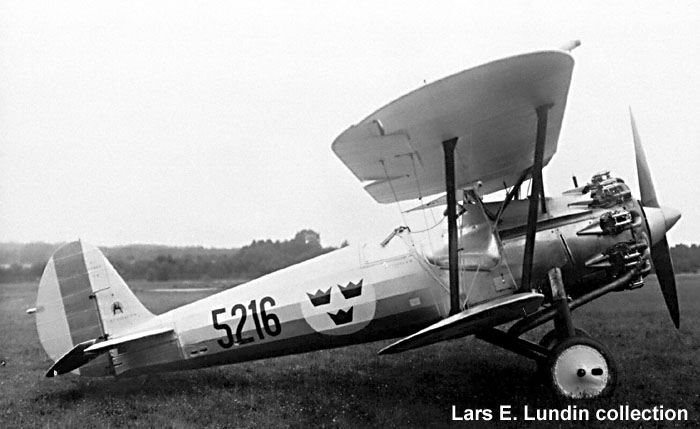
(659, 221)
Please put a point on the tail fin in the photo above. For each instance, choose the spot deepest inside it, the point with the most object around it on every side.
(83, 299)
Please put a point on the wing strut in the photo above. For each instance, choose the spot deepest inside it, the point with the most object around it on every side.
(448, 147)
(537, 192)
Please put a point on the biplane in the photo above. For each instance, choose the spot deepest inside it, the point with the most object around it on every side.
(494, 269)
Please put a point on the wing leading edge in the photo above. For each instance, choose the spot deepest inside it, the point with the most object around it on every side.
(490, 108)
(470, 321)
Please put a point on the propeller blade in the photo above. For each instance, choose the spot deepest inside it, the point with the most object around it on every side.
(661, 256)
(659, 221)
(646, 186)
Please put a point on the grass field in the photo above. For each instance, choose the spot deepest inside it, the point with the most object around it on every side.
(353, 387)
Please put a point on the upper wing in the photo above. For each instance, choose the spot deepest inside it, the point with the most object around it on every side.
(490, 108)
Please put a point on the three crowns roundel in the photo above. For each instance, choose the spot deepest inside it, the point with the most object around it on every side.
(339, 309)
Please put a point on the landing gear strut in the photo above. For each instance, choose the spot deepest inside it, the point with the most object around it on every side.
(575, 365)
(578, 366)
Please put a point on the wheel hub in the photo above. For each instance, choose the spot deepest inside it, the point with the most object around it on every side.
(581, 371)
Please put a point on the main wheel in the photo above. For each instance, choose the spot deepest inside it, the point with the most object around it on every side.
(548, 341)
(581, 367)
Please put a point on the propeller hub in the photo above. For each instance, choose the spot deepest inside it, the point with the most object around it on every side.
(659, 221)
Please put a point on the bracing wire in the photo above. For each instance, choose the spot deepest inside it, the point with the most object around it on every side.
(432, 213)
(431, 227)
(529, 186)
(460, 273)
(512, 278)
(471, 287)
(393, 191)
(420, 198)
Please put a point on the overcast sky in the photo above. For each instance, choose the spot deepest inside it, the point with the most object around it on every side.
(210, 123)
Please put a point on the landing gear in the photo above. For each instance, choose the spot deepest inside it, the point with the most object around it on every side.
(581, 367)
(577, 366)
(574, 365)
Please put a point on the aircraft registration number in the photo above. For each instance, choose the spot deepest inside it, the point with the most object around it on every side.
(266, 323)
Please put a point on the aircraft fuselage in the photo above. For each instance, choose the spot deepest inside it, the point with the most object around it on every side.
(372, 292)
(352, 295)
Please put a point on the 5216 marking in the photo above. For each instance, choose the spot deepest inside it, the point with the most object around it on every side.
(262, 320)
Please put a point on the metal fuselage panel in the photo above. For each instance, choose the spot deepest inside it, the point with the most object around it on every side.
(352, 295)
(560, 241)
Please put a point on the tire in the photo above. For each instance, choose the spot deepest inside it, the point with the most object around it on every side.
(582, 368)
(551, 338)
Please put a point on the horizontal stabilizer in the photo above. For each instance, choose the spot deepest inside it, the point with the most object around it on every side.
(89, 350)
(72, 360)
(106, 345)
(470, 321)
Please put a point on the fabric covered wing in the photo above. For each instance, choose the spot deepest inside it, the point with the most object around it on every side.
(470, 321)
(490, 108)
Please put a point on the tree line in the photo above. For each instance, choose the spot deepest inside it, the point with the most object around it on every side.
(158, 263)
(686, 259)
(25, 262)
